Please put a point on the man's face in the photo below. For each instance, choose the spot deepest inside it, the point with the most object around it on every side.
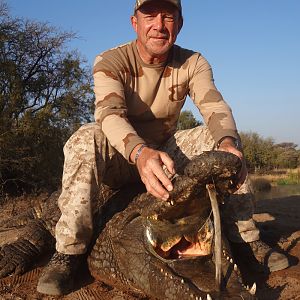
(157, 25)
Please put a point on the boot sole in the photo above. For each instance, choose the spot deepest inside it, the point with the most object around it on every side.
(279, 266)
(52, 289)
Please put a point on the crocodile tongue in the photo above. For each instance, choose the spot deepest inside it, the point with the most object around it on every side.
(194, 249)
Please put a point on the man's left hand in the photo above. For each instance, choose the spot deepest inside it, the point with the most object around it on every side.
(228, 145)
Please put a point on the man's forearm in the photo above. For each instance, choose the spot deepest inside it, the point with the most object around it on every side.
(121, 134)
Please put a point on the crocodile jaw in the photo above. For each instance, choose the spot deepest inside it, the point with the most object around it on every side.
(183, 245)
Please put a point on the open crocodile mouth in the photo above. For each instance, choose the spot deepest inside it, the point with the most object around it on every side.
(180, 240)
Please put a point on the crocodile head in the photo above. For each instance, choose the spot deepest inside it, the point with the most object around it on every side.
(182, 226)
(164, 249)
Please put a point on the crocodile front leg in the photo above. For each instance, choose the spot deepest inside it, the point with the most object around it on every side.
(19, 256)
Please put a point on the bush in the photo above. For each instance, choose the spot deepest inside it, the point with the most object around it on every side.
(261, 185)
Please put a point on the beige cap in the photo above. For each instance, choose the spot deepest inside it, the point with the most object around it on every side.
(176, 3)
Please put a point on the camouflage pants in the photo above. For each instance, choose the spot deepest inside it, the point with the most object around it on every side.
(90, 160)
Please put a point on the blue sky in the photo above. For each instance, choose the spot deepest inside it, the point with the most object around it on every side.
(253, 47)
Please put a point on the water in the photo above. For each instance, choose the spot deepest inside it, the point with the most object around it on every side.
(279, 191)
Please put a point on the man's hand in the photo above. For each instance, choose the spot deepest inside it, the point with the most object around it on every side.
(228, 145)
(150, 166)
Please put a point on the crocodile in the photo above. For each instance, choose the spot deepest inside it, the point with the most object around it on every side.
(157, 249)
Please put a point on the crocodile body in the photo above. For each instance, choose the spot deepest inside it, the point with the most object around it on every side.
(160, 249)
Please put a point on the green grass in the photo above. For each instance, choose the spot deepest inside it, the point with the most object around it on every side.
(291, 178)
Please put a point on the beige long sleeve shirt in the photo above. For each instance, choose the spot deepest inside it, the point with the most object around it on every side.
(140, 103)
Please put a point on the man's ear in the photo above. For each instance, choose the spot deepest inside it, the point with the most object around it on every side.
(180, 23)
(133, 20)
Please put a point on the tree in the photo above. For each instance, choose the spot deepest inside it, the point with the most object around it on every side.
(45, 94)
(259, 152)
(262, 154)
(287, 155)
(187, 120)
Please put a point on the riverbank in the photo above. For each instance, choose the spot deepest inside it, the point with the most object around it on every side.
(279, 177)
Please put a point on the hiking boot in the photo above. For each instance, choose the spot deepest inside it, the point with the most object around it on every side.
(58, 276)
(270, 258)
(260, 257)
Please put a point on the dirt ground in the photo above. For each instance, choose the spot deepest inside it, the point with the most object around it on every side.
(279, 220)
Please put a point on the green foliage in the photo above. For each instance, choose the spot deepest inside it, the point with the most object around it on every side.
(257, 151)
(187, 120)
(287, 156)
(262, 154)
(45, 94)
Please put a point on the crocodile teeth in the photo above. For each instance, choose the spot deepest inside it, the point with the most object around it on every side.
(235, 267)
(150, 238)
(253, 289)
(167, 245)
(209, 297)
(231, 260)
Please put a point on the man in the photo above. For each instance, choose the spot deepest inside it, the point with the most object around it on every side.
(140, 89)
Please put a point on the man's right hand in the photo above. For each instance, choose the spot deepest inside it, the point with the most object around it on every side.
(150, 166)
